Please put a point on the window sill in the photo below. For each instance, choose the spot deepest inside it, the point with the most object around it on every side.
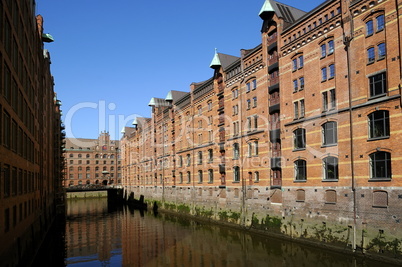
(370, 62)
(210, 182)
(369, 35)
(329, 145)
(298, 149)
(378, 138)
(256, 181)
(377, 96)
(236, 182)
(330, 78)
(380, 180)
(330, 180)
(300, 181)
(381, 58)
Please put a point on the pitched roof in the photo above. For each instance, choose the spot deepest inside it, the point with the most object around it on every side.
(288, 13)
(222, 60)
(175, 95)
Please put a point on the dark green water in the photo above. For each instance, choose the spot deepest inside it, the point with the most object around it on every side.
(97, 235)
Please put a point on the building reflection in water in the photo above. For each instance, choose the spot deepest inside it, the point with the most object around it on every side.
(98, 236)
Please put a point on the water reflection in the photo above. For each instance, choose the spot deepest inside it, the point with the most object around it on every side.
(98, 236)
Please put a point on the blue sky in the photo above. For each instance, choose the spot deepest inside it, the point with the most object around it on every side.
(110, 58)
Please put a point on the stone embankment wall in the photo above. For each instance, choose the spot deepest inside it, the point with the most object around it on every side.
(273, 213)
(87, 194)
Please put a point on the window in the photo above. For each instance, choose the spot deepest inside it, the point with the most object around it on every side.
(323, 50)
(180, 177)
(188, 160)
(295, 86)
(381, 50)
(377, 84)
(255, 148)
(255, 122)
(248, 103)
(236, 174)
(369, 27)
(296, 105)
(300, 170)
(209, 105)
(235, 93)
(296, 110)
(324, 74)
(325, 101)
(380, 22)
(294, 64)
(331, 71)
(379, 124)
(236, 128)
(200, 176)
(329, 133)
(301, 62)
(370, 55)
(299, 138)
(180, 161)
(199, 157)
(236, 151)
(254, 84)
(331, 47)
(330, 168)
(301, 81)
(210, 176)
(256, 176)
(254, 102)
(210, 156)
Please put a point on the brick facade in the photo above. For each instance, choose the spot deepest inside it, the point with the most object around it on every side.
(303, 128)
(92, 161)
(30, 139)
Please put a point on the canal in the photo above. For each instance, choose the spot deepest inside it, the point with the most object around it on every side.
(95, 234)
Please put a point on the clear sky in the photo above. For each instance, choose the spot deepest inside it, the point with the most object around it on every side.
(109, 58)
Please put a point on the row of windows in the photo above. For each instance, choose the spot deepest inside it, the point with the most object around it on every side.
(96, 162)
(380, 167)
(378, 127)
(18, 181)
(19, 213)
(314, 25)
(97, 175)
(104, 156)
(88, 169)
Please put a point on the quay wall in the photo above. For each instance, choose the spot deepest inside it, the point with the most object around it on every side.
(375, 233)
(87, 194)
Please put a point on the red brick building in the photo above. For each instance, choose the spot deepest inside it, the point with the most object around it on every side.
(302, 129)
(31, 160)
(92, 161)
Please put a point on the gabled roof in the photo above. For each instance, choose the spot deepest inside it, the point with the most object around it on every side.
(158, 102)
(288, 13)
(175, 95)
(222, 60)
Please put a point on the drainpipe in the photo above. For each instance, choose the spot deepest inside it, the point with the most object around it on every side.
(400, 52)
(241, 157)
(347, 40)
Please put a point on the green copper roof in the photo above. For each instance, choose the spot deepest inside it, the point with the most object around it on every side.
(215, 61)
(47, 38)
(267, 7)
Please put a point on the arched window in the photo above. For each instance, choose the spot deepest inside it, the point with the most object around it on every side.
(300, 195)
(330, 168)
(79, 156)
(87, 156)
(330, 196)
(71, 155)
(380, 165)
(200, 176)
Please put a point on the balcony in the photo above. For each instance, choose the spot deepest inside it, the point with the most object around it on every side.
(274, 108)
